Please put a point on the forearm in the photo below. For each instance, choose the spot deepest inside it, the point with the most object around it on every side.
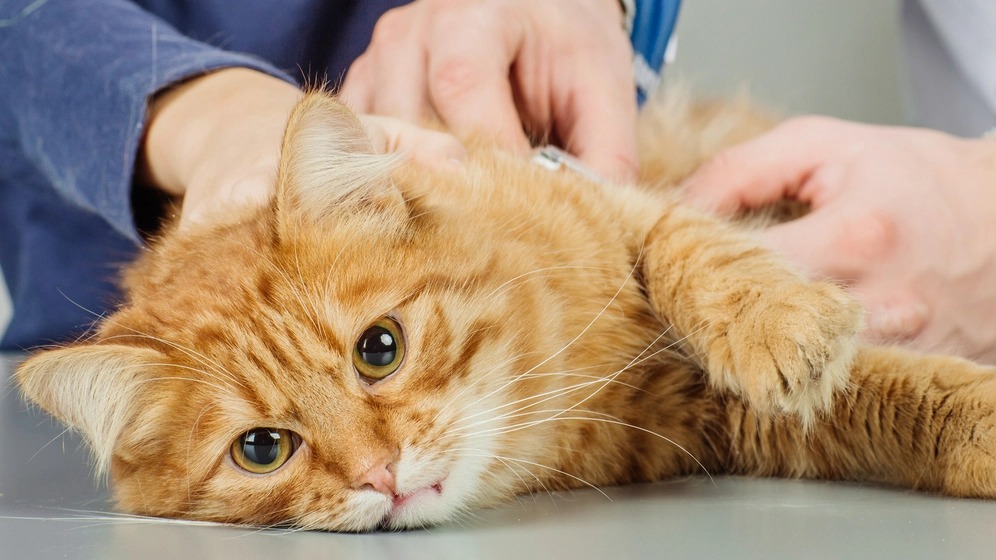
(74, 86)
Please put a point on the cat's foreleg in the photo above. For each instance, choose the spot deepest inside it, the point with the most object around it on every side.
(758, 328)
(926, 422)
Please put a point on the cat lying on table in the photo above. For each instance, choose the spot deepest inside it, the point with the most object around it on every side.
(389, 346)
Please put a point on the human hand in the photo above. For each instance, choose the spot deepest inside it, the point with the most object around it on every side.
(905, 217)
(215, 140)
(559, 68)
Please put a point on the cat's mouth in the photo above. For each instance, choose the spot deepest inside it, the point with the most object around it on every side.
(425, 493)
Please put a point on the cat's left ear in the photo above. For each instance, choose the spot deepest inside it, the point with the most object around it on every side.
(328, 166)
(93, 389)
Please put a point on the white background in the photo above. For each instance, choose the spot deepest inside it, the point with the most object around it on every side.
(835, 57)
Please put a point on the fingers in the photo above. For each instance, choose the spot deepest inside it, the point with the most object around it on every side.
(390, 79)
(491, 67)
(423, 145)
(356, 91)
(469, 84)
(600, 125)
(769, 168)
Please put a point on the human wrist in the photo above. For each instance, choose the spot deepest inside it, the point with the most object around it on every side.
(191, 123)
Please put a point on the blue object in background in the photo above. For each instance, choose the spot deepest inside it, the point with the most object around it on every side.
(653, 26)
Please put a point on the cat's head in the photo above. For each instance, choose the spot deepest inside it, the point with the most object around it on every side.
(348, 357)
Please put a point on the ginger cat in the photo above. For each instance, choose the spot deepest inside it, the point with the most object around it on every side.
(388, 346)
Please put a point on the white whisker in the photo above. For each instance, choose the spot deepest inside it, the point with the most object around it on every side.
(546, 467)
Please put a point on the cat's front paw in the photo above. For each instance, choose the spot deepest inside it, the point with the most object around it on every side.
(789, 348)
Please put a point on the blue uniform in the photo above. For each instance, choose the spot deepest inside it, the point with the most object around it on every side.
(75, 78)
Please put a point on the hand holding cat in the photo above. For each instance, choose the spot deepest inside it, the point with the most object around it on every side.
(557, 68)
(904, 216)
(215, 140)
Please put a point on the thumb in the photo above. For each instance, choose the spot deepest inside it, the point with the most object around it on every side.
(764, 170)
(206, 199)
(827, 243)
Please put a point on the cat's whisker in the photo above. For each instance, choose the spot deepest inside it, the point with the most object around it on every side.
(516, 379)
(9, 385)
(186, 379)
(512, 282)
(114, 518)
(222, 380)
(193, 354)
(97, 317)
(220, 387)
(549, 468)
(545, 416)
(504, 483)
(543, 397)
(49, 442)
(204, 360)
(573, 373)
(190, 441)
(610, 378)
(512, 467)
(497, 368)
(540, 398)
(506, 384)
(618, 422)
(515, 427)
(587, 327)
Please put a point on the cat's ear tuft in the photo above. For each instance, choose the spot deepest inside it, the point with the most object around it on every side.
(328, 166)
(91, 389)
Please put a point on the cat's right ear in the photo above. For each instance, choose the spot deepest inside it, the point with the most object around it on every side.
(328, 167)
(91, 389)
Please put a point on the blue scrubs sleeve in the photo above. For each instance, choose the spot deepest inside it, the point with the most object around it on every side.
(75, 78)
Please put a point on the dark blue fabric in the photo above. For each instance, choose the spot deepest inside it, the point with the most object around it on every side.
(74, 82)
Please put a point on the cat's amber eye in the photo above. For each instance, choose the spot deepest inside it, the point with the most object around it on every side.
(263, 450)
(379, 350)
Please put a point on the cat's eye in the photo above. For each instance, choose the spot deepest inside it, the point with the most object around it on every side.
(379, 350)
(263, 450)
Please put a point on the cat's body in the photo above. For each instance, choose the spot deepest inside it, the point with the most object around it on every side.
(534, 331)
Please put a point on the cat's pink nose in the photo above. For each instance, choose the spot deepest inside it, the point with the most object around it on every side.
(378, 478)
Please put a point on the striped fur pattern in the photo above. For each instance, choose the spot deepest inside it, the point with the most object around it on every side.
(559, 334)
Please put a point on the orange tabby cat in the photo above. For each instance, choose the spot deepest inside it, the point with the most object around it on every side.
(388, 346)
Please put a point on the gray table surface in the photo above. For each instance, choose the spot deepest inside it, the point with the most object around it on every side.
(50, 507)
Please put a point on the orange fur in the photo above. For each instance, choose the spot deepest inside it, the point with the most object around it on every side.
(559, 333)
